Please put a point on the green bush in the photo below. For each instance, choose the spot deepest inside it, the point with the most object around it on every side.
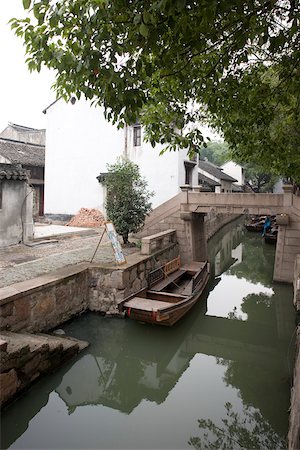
(128, 199)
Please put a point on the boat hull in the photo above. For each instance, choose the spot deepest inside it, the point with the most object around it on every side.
(151, 307)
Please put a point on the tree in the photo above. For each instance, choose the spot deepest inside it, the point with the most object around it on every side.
(127, 203)
(259, 180)
(261, 120)
(173, 63)
(216, 152)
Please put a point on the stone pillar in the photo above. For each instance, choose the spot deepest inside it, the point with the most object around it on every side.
(288, 239)
(194, 246)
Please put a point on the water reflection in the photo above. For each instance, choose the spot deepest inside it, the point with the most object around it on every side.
(222, 371)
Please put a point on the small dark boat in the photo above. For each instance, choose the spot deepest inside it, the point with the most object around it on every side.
(172, 291)
(256, 223)
(270, 237)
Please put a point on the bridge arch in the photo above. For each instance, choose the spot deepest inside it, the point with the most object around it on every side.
(186, 213)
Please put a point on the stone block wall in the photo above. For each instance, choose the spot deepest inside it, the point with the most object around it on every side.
(214, 222)
(108, 288)
(294, 425)
(25, 357)
(53, 300)
(50, 300)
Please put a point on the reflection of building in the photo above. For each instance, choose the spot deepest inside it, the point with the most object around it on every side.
(128, 362)
(227, 250)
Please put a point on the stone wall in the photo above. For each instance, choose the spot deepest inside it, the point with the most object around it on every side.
(108, 288)
(15, 212)
(25, 357)
(294, 428)
(43, 303)
(214, 222)
(47, 301)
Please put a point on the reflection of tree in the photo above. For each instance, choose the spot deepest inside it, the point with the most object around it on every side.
(233, 315)
(258, 391)
(259, 307)
(248, 430)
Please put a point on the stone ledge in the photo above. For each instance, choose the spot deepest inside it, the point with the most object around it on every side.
(35, 284)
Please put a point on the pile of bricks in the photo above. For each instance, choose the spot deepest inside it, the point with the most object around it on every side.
(88, 218)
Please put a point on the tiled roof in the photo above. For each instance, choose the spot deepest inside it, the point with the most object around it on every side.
(215, 171)
(13, 172)
(23, 128)
(22, 153)
(203, 178)
(237, 188)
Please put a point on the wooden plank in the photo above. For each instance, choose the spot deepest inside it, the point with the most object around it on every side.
(170, 278)
(193, 266)
(145, 304)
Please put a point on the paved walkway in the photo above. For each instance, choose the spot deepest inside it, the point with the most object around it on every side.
(22, 262)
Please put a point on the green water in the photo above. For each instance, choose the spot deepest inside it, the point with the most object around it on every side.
(218, 378)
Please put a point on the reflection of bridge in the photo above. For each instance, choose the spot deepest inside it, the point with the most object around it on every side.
(138, 365)
(186, 213)
(129, 362)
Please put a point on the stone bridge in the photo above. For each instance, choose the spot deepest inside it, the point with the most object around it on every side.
(192, 212)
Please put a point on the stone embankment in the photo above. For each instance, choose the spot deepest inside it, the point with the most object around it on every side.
(25, 357)
(294, 429)
(43, 303)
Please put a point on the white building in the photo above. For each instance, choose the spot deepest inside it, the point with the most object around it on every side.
(79, 145)
(213, 178)
(236, 171)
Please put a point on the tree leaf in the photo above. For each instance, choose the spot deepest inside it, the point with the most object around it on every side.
(26, 4)
(144, 30)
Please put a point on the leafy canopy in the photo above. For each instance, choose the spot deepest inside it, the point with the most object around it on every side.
(127, 203)
(173, 63)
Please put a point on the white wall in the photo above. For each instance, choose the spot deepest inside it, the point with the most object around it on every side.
(235, 171)
(164, 173)
(79, 144)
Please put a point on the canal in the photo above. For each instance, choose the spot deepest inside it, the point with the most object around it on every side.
(220, 378)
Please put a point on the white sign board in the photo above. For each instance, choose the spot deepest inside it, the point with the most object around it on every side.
(112, 235)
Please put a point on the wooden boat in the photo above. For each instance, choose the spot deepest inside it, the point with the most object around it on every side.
(255, 224)
(172, 291)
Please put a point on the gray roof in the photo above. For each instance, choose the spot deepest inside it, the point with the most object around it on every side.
(22, 153)
(237, 188)
(215, 171)
(24, 128)
(13, 172)
(207, 180)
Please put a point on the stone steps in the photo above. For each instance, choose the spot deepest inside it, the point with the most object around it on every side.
(24, 357)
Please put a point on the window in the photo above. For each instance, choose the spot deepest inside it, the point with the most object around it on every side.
(0, 194)
(137, 135)
(189, 166)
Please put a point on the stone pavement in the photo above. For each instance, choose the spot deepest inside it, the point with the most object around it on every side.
(22, 262)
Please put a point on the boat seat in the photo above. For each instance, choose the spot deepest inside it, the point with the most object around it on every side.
(145, 304)
(168, 280)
